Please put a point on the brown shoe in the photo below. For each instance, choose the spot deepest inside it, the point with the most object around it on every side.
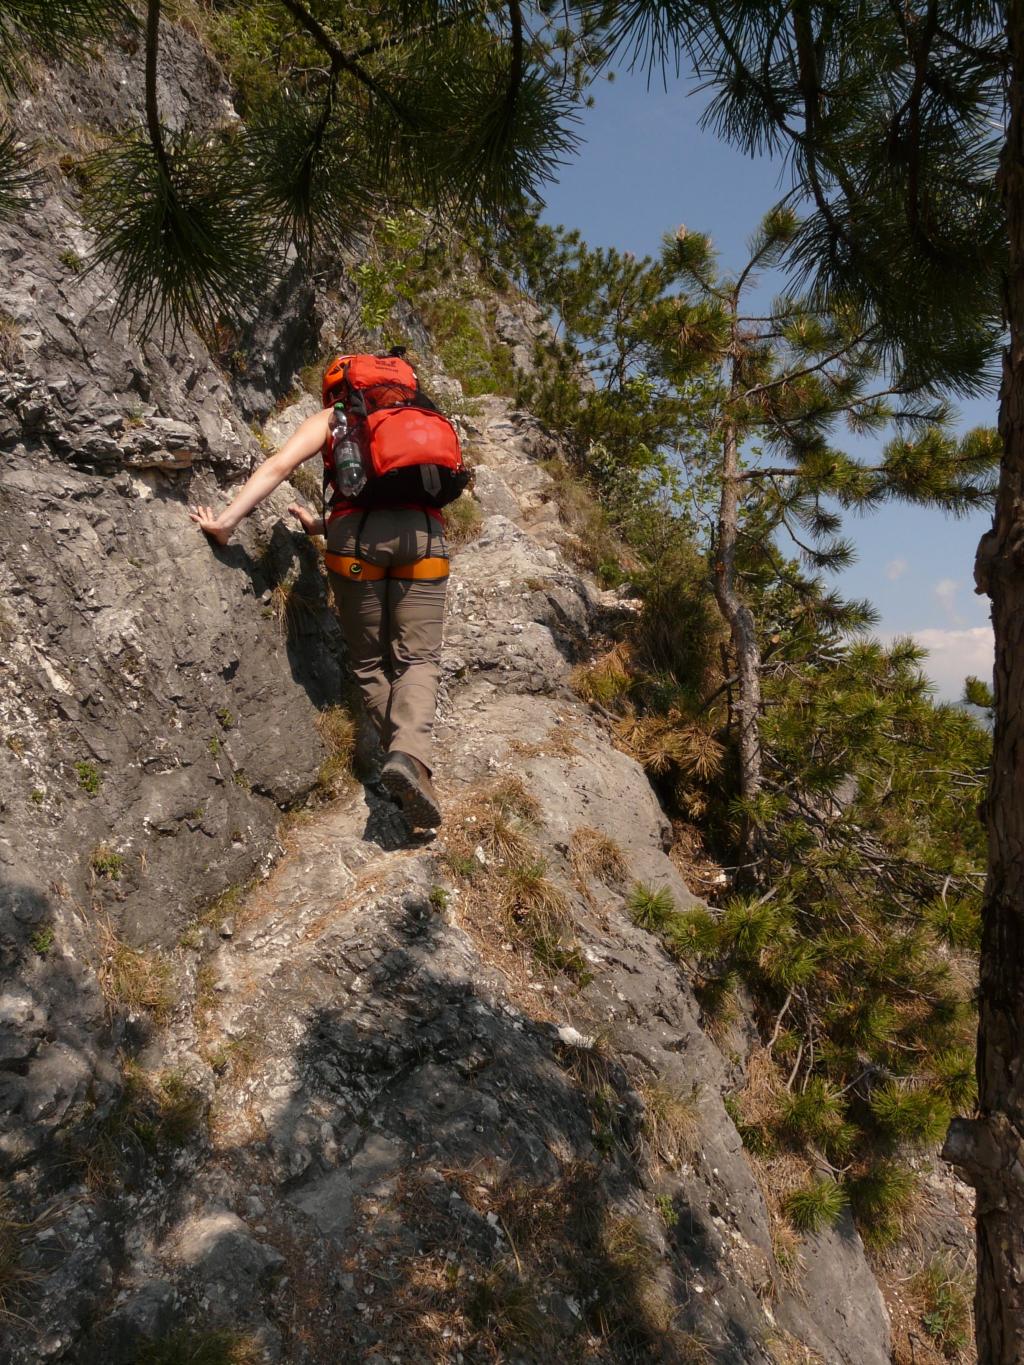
(408, 781)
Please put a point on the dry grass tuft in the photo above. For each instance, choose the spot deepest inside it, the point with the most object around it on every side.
(505, 895)
(511, 797)
(596, 855)
(591, 1065)
(10, 342)
(560, 742)
(17, 1274)
(338, 729)
(234, 902)
(198, 1346)
(297, 612)
(779, 1176)
(671, 1122)
(133, 981)
(462, 520)
(308, 483)
(531, 897)
(153, 1111)
(452, 1297)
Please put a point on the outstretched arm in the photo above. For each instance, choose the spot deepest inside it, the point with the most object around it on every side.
(304, 442)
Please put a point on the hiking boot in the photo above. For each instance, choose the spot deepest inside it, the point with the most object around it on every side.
(408, 780)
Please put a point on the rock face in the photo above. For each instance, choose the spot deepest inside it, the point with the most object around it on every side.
(421, 1099)
(420, 1140)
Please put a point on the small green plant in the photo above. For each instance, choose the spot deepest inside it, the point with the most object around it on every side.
(88, 776)
(692, 934)
(191, 938)
(226, 719)
(107, 863)
(43, 940)
(946, 1305)
(881, 1196)
(462, 864)
(214, 746)
(955, 1078)
(651, 908)
(37, 796)
(439, 898)
(667, 1210)
(71, 260)
(815, 1206)
(910, 1115)
(817, 1114)
(239, 778)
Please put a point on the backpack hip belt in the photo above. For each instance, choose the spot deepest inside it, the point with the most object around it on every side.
(362, 571)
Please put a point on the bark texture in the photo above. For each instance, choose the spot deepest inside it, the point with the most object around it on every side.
(741, 628)
(990, 1150)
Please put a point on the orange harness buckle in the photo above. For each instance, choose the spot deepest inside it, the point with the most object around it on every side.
(361, 571)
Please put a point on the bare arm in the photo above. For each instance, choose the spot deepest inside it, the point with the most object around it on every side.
(305, 441)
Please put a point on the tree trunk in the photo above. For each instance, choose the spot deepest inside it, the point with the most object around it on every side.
(990, 1149)
(744, 637)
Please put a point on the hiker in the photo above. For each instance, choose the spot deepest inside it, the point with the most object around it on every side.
(391, 461)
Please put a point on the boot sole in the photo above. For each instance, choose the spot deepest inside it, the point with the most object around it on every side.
(415, 803)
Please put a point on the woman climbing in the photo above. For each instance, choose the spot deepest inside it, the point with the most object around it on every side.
(391, 461)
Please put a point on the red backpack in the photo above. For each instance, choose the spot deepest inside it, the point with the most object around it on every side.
(410, 451)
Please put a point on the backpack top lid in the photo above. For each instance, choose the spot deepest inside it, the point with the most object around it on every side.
(365, 371)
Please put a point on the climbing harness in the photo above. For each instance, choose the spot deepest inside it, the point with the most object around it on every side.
(360, 570)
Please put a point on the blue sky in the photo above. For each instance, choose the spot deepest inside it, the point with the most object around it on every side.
(644, 168)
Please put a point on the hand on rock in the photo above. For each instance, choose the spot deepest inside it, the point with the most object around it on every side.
(209, 524)
(310, 522)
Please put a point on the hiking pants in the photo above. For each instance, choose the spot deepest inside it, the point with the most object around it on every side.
(392, 626)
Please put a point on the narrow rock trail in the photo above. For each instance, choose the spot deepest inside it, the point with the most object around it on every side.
(426, 1143)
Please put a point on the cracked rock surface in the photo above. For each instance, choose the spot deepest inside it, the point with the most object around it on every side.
(413, 1140)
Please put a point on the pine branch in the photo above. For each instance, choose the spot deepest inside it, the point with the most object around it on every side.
(819, 365)
(342, 60)
(19, 174)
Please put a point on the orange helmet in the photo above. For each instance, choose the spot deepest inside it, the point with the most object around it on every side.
(333, 376)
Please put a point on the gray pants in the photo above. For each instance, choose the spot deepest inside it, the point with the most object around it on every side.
(392, 626)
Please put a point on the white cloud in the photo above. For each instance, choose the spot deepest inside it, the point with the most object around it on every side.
(945, 591)
(896, 568)
(953, 654)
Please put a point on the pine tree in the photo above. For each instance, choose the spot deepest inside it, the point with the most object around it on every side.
(856, 947)
(677, 343)
(904, 129)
